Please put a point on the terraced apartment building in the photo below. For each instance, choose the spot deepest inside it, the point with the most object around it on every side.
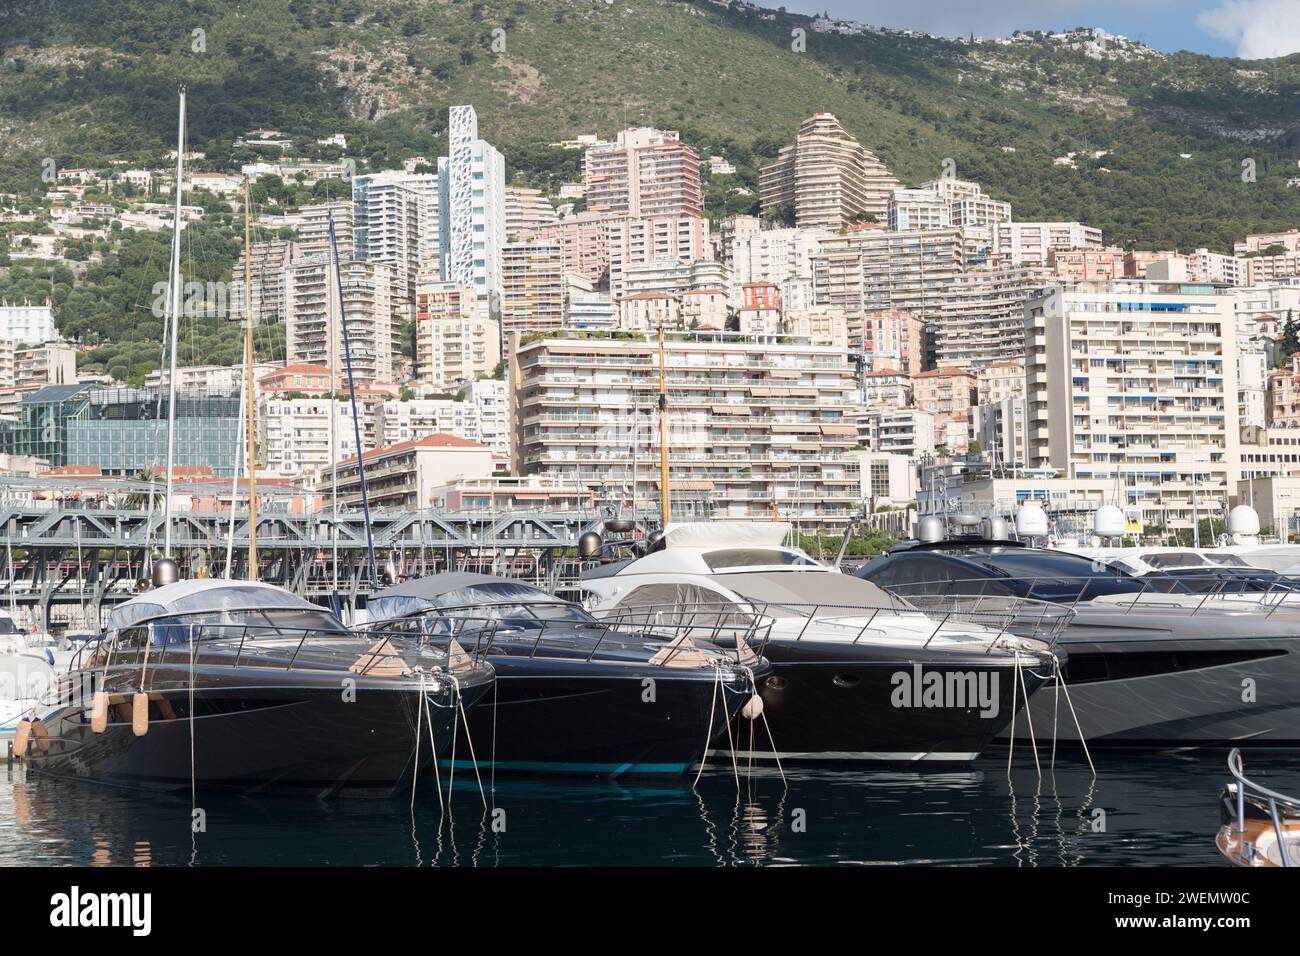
(757, 425)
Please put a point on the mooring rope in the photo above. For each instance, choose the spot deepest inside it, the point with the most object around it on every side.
(1061, 679)
(708, 734)
(469, 738)
(419, 732)
(1029, 717)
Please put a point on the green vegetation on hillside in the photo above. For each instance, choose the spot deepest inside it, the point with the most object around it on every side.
(92, 83)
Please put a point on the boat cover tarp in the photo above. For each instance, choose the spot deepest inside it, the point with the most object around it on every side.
(198, 597)
(726, 534)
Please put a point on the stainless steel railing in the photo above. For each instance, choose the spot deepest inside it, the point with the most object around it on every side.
(986, 620)
(1271, 798)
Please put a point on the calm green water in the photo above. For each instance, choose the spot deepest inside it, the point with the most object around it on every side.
(1155, 809)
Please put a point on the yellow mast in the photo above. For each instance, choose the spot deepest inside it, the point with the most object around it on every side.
(248, 377)
(663, 434)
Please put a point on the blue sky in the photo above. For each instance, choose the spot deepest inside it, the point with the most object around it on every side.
(1247, 28)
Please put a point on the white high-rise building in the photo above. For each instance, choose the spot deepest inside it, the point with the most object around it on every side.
(396, 223)
(472, 209)
(1135, 382)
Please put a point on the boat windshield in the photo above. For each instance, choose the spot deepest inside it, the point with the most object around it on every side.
(246, 624)
(516, 605)
(1057, 576)
(727, 558)
(7, 625)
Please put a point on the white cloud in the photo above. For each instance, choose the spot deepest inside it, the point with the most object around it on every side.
(1259, 28)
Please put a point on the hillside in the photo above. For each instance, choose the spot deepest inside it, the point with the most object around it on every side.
(1159, 140)
(86, 80)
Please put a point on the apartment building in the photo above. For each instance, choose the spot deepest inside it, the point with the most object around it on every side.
(265, 264)
(299, 437)
(479, 412)
(780, 256)
(396, 224)
(946, 393)
(455, 340)
(209, 379)
(1288, 241)
(314, 229)
(35, 366)
(1000, 381)
(1000, 428)
(532, 286)
(897, 431)
(1030, 243)
(526, 210)
(890, 388)
(313, 329)
(1266, 269)
(1135, 382)
(403, 476)
(826, 179)
(911, 209)
(1087, 265)
(875, 270)
(471, 209)
(731, 231)
(756, 425)
(645, 173)
(501, 494)
(584, 244)
(820, 326)
(637, 242)
(891, 339)
(27, 324)
(967, 204)
(982, 320)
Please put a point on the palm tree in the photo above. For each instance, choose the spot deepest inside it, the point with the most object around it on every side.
(141, 499)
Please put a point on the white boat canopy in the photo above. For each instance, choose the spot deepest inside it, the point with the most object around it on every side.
(209, 595)
(726, 534)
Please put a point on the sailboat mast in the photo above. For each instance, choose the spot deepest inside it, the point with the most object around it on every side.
(332, 346)
(663, 434)
(356, 419)
(174, 326)
(250, 410)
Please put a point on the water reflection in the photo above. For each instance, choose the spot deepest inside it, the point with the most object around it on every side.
(1140, 809)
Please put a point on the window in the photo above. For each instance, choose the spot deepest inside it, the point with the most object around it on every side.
(755, 558)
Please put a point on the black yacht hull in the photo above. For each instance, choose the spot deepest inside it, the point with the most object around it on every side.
(593, 719)
(306, 740)
(836, 702)
(1131, 692)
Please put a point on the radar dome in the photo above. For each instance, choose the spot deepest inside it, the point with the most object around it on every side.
(1031, 521)
(1243, 520)
(1108, 522)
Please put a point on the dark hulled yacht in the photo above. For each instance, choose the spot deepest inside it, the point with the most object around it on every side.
(856, 676)
(246, 687)
(574, 695)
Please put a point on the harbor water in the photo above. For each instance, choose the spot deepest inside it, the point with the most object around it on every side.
(1140, 809)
